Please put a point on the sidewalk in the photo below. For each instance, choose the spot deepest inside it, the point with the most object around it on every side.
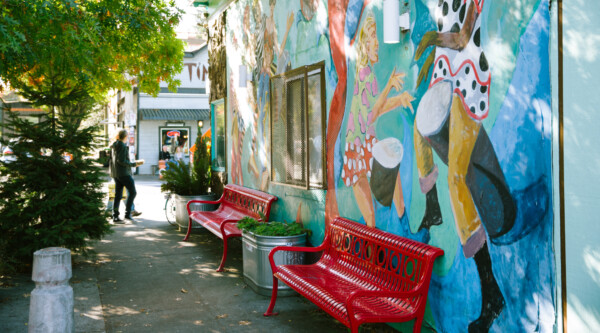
(144, 278)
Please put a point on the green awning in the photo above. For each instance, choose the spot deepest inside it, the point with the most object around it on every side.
(174, 114)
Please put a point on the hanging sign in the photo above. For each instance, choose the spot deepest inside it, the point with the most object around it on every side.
(173, 134)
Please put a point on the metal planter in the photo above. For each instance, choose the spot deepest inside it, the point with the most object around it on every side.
(257, 269)
(181, 214)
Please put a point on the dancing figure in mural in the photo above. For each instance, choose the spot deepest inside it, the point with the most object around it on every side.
(368, 104)
(238, 131)
(449, 120)
(268, 48)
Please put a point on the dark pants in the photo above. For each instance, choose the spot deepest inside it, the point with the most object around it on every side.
(127, 182)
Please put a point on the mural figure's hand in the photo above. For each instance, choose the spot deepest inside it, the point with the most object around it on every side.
(431, 38)
(405, 98)
(395, 81)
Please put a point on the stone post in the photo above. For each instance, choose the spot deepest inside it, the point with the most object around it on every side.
(51, 307)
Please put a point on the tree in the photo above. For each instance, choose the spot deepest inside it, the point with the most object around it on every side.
(65, 55)
(53, 48)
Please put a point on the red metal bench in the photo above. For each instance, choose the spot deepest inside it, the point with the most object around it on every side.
(235, 203)
(364, 275)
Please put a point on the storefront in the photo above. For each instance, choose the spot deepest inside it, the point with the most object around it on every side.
(175, 119)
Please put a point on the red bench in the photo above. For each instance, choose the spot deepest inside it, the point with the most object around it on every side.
(235, 203)
(364, 275)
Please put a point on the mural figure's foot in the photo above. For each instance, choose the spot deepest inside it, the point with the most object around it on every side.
(433, 214)
(485, 320)
(492, 300)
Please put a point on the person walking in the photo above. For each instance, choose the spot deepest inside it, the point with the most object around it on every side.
(120, 171)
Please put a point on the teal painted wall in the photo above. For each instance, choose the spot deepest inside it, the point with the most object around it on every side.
(449, 147)
(581, 42)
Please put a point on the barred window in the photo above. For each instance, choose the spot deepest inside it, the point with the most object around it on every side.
(298, 127)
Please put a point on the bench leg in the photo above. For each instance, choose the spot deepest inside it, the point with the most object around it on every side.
(189, 231)
(220, 269)
(418, 323)
(273, 299)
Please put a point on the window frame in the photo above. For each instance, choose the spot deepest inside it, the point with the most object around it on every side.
(304, 72)
(171, 128)
(214, 137)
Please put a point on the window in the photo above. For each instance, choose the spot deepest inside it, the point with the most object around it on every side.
(177, 141)
(218, 139)
(298, 127)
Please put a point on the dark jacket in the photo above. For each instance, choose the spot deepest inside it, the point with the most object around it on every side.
(119, 160)
(164, 155)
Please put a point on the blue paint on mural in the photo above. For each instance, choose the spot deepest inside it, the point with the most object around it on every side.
(525, 267)
(353, 17)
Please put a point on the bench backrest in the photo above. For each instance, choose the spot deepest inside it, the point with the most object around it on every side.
(250, 202)
(385, 260)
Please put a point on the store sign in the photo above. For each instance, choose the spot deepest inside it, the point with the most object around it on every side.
(172, 134)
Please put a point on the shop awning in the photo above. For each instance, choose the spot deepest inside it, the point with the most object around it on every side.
(174, 114)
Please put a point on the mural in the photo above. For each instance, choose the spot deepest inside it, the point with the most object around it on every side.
(444, 138)
(361, 142)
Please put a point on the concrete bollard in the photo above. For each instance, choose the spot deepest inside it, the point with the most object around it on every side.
(51, 307)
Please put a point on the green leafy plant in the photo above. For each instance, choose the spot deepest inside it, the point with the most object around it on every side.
(275, 228)
(46, 201)
(183, 179)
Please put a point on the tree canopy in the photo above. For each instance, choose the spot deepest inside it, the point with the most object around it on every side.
(58, 51)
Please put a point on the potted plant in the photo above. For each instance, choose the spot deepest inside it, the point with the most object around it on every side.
(190, 182)
(258, 239)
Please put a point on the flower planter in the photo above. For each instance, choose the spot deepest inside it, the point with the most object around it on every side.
(181, 214)
(257, 269)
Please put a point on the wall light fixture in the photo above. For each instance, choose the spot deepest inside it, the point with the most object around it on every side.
(393, 22)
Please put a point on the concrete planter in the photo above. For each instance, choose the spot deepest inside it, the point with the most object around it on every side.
(181, 214)
(257, 269)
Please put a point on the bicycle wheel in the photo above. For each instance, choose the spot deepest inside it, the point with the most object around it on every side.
(170, 211)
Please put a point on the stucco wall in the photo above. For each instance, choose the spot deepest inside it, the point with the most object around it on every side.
(481, 189)
(581, 49)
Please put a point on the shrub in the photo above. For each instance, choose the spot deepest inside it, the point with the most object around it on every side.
(46, 201)
(274, 228)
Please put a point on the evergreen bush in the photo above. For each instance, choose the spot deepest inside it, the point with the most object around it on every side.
(46, 201)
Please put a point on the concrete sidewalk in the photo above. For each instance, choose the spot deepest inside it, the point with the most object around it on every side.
(144, 278)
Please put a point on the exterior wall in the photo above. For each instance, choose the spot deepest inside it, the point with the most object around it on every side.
(491, 208)
(193, 76)
(581, 44)
(174, 101)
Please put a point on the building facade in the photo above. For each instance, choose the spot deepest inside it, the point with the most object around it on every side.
(175, 119)
(473, 132)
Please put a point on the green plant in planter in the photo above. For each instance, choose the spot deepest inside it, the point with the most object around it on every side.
(274, 228)
(186, 180)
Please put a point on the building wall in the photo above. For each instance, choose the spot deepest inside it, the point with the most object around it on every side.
(493, 174)
(193, 76)
(581, 46)
(175, 101)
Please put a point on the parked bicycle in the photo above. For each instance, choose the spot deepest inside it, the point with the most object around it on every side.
(170, 209)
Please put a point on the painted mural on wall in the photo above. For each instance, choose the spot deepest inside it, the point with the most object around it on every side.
(444, 138)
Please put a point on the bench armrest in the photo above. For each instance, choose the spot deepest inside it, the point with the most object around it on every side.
(296, 249)
(222, 226)
(202, 202)
(379, 294)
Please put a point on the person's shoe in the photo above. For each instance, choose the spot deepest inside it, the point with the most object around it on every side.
(135, 213)
(130, 218)
(117, 220)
